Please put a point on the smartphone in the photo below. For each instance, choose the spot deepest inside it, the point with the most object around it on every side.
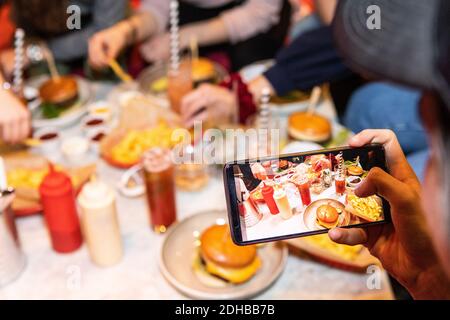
(302, 194)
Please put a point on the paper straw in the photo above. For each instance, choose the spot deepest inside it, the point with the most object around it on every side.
(314, 100)
(174, 36)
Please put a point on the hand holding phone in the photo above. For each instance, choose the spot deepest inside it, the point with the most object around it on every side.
(404, 247)
(302, 194)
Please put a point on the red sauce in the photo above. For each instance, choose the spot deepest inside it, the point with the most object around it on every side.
(48, 136)
(94, 122)
(99, 136)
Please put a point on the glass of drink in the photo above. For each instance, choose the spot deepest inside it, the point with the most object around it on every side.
(160, 188)
(282, 203)
(339, 183)
(179, 84)
(303, 186)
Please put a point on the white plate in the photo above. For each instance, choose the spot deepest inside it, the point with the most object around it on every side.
(68, 117)
(179, 250)
(301, 146)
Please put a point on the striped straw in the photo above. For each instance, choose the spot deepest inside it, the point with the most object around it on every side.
(19, 52)
(264, 110)
(341, 165)
(263, 122)
(174, 36)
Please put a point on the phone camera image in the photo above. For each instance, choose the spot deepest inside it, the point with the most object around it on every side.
(305, 194)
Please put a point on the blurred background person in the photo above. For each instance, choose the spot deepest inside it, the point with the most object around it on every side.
(46, 21)
(239, 31)
(415, 248)
(311, 14)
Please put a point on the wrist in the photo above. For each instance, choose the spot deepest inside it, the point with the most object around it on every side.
(185, 38)
(430, 284)
(125, 28)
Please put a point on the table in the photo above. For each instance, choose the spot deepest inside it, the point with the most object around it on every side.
(49, 275)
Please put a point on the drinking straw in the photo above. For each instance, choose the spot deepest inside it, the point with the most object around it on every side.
(263, 121)
(264, 109)
(51, 63)
(314, 100)
(3, 181)
(174, 36)
(194, 47)
(19, 39)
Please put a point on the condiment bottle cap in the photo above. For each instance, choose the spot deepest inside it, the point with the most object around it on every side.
(95, 193)
(55, 181)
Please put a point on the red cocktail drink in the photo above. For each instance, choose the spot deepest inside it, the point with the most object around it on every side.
(340, 185)
(267, 193)
(160, 188)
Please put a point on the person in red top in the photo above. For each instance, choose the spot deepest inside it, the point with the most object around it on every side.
(6, 26)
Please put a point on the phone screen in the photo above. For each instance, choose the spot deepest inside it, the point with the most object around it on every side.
(302, 194)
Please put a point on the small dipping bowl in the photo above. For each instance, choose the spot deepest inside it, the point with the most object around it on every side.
(101, 109)
(75, 149)
(95, 137)
(92, 124)
(354, 181)
(49, 138)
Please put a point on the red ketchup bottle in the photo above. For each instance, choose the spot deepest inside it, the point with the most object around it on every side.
(267, 193)
(58, 200)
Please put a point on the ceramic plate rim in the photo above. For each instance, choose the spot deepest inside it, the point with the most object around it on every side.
(196, 294)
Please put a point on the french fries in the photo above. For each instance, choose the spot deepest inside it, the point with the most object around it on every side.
(130, 149)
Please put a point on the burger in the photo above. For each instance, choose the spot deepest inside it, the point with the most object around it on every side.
(220, 261)
(203, 71)
(355, 170)
(308, 126)
(327, 216)
(60, 92)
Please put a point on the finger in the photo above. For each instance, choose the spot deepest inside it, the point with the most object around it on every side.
(24, 127)
(370, 136)
(193, 102)
(95, 52)
(397, 193)
(7, 132)
(396, 160)
(349, 237)
(202, 116)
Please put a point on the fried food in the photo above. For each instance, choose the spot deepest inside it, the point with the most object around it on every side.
(349, 253)
(130, 149)
(369, 209)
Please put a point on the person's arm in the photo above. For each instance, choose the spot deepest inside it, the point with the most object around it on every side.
(234, 25)
(310, 60)
(325, 10)
(148, 21)
(14, 117)
(74, 44)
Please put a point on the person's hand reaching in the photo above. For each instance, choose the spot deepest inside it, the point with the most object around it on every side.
(14, 119)
(208, 102)
(404, 247)
(257, 85)
(106, 45)
(157, 48)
